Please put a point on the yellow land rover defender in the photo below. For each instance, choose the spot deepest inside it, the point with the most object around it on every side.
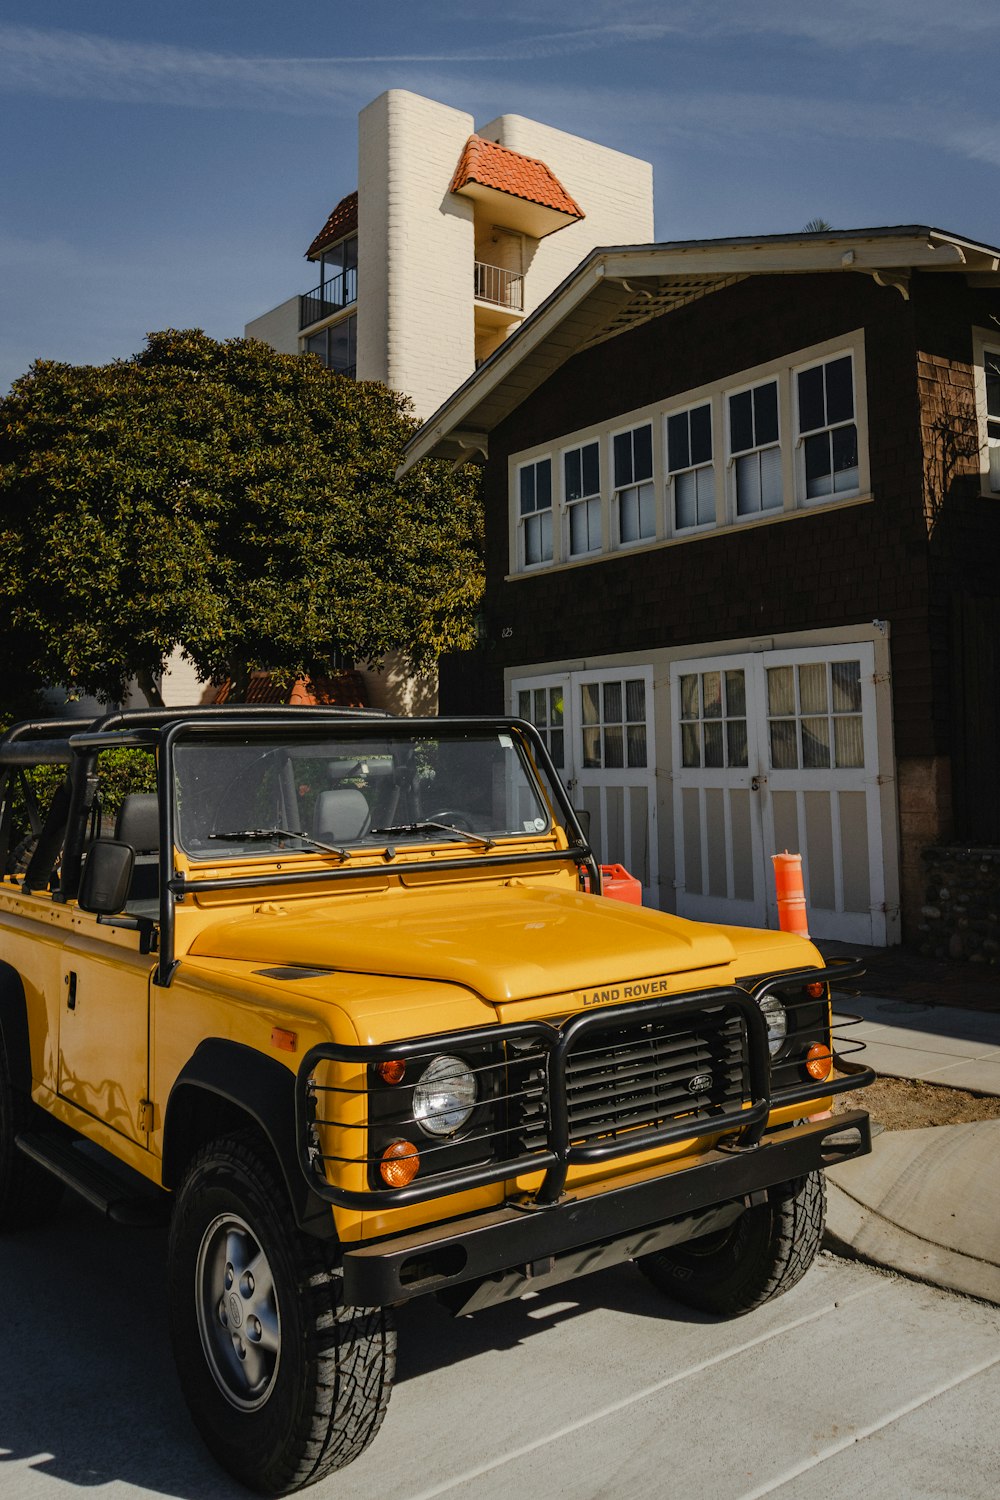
(342, 999)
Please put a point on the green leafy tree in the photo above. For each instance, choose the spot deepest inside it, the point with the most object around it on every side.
(235, 502)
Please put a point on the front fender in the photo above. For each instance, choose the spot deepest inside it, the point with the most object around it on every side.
(223, 1077)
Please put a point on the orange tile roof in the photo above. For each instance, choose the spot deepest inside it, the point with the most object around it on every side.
(342, 222)
(508, 171)
(343, 689)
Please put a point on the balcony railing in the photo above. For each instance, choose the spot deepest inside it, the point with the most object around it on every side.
(499, 287)
(331, 297)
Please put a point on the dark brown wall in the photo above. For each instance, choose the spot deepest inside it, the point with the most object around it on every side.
(816, 571)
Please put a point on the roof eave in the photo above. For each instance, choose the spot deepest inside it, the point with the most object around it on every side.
(900, 248)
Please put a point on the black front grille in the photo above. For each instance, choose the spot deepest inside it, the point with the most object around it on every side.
(636, 1076)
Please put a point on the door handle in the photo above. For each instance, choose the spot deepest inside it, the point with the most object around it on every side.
(756, 782)
(71, 990)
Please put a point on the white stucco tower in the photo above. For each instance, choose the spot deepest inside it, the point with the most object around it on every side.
(453, 236)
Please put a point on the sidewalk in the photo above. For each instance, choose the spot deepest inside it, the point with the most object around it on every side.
(925, 1202)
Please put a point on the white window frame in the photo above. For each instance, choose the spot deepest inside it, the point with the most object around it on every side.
(801, 498)
(522, 520)
(583, 500)
(715, 394)
(775, 378)
(617, 490)
(670, 476)
(986, 343)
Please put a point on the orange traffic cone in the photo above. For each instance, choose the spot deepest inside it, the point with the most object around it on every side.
(791, 893)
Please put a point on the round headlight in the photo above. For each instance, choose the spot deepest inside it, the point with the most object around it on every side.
(445, 1097)
(775, 1015)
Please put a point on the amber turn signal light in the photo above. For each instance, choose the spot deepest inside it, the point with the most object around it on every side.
(819, 1061)
(817, 989)
(392, 1071)
(400, 1164)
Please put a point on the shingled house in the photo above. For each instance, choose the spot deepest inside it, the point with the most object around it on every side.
(743, 531)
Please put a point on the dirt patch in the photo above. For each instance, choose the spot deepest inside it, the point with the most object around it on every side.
(905, 1104)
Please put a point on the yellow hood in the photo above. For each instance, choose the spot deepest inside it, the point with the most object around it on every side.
(504, 945)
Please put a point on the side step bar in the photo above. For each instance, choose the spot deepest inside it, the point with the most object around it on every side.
(103, 1188)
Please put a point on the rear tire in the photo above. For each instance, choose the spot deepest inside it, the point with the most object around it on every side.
(763, 1254)
(284, 1383)
(28, 1194)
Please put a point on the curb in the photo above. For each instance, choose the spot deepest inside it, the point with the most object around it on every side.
(858, 1233)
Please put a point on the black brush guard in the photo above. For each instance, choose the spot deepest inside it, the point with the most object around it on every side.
(741, 1125)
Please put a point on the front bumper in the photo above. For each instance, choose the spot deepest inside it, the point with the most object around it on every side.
(682, 1199)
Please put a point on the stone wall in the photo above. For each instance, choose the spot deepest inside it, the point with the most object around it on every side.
(961, 915)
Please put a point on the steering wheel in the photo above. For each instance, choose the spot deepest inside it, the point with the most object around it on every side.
(454, 817)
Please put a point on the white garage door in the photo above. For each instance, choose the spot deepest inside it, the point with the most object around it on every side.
(598, 726)
(774, 751)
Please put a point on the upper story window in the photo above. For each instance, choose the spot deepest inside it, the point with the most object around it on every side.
(535, 514)
(828, 433)
(635, 501)
(987, 371)
(782, 438)
(755, 449)
(582, 497)
(690, 471)
(337, 346)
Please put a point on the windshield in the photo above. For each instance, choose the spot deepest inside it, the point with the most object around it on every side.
(260, 793)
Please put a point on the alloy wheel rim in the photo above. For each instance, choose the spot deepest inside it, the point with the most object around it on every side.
(237, 1311)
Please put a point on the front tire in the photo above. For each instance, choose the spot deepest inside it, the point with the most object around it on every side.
(284, 1384)
(764, 1253)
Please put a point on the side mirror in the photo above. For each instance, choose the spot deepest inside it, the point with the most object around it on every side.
(583, 818)
(107, 876)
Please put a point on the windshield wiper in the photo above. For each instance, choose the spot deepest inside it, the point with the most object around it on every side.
(429, 826)
(253, 835)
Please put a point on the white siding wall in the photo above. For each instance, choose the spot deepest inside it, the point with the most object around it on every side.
(615, 192)
(415, 249)
(279, 327)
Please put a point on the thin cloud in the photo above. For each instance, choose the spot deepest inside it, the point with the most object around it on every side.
(850, 25)
(81, 65)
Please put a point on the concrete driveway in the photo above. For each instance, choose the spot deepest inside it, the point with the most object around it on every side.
(856, 1383)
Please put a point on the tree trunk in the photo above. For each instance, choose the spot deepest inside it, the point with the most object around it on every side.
(146, 683)
(239, 681)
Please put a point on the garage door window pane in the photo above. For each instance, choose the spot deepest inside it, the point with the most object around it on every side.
(689, 697)
(736, 742)
(636, 735)
(711, 687)
(713, 745)
(848, 740)
(812, 688)
(784, 745)
(846, 687)
(780, 690)
(691, 744)
(613, 747)
(816, 744)
(635, 701)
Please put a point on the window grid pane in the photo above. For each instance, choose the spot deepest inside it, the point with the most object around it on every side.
(614, 713)
(713, 735)
(814, 716)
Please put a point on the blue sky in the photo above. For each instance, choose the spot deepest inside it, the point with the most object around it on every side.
(167, 164)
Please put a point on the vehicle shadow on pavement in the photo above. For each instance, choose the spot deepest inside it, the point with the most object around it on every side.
(88, 1394)
(431, 1339)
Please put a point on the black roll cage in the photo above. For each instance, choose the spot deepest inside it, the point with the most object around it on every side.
(76, 744)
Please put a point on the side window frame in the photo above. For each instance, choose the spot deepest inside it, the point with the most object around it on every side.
(537, 513)
(633, 481)
(586, 498)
